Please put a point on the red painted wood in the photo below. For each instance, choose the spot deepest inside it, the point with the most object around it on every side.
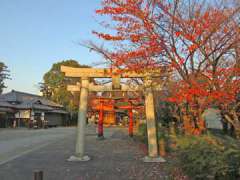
(100, 121)
(130, 126)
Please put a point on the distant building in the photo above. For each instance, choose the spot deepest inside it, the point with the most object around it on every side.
(213, 118)
(19, 109)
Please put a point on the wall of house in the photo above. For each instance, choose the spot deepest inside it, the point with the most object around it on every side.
(109, 118)
(6, 120)
(3, 120)
(54, 119)
(23, 114)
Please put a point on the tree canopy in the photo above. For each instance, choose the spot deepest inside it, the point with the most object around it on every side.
(54, 86)
(4, 74)
(196, 40)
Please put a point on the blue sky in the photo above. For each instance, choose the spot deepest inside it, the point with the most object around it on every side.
(34, 34)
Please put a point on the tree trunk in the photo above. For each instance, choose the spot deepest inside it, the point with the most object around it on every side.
(233, 120)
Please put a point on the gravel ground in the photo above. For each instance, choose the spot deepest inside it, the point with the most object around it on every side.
(16, 142)
(116, 157)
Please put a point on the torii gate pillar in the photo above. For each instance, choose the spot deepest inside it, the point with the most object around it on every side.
(80, 144)
(100, 121)
(130, 125)
(151, 125)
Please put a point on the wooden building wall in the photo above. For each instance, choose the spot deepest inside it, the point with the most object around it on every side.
(109, 118)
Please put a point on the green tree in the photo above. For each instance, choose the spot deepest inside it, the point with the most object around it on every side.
(4, 74)
(54, 85)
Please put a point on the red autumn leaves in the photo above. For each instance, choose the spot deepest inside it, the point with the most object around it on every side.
(198, 42)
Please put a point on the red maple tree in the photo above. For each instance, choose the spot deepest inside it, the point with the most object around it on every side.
(199, 42)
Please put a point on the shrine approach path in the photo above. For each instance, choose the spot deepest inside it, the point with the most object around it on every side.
(117, 157)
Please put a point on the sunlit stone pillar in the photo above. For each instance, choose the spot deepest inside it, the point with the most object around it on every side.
(79, 155)
(151, 125)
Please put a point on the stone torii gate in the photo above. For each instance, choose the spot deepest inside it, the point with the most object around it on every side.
(84, 75)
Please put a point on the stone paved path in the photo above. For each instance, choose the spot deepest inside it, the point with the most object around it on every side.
(116, 158)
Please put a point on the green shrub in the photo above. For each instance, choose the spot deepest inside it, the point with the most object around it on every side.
(207, 157)
(142, 132)
(142, 129)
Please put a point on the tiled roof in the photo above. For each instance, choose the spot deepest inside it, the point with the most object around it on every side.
(6, 109)
(17, 96)
(21, 100)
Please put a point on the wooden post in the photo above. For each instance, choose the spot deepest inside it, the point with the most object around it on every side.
(100, 120)
(130, 126)
(80, 144)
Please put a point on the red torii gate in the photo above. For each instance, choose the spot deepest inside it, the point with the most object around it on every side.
(108, 104)
(130, 111)
(101, 107)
